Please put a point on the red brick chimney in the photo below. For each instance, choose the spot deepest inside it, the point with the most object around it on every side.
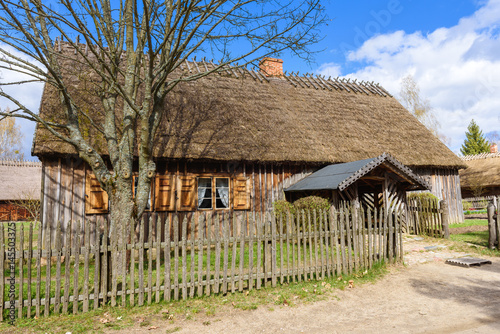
(271, 67)
(493, 148)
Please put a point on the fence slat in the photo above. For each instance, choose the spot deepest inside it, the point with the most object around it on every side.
(158, 256)
(226, 226)
(258, 265)
(192, 245)
(184, 257)
(123, 248)
(86, 268)
(242, 252)
(370, 222)
(29, 262)
(288, 227)
(168, 247)
(67, 267)
(47, 271)
(201, 229)
(58, 267)
(105, 262)
(150, 257)
(233, 257)
(132, 262)
(97, 264)
(273, 250)
(140, 298)
(306, 267)
(21, 270)
(210, 224)
(250, 250)
(280, 234)
(76, 265)
(217, 253)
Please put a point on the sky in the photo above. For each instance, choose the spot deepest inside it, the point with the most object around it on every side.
(451, 48)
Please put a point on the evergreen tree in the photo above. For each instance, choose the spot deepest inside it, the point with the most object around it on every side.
(475, 142)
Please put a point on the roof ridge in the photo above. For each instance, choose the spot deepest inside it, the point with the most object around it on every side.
(480, 156)
(20, 163)
(307, 80)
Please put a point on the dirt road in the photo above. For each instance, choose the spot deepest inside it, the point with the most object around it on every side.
(428, 296)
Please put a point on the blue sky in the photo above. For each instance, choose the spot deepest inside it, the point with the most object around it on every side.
(451, 48)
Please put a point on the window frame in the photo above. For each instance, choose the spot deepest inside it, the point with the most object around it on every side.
(213, 182)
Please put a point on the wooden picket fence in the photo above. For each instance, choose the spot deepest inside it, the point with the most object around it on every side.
(425, 217)
(187, 255)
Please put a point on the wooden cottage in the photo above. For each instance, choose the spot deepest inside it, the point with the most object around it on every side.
(235, 140)
(21, 181)
(482, 176)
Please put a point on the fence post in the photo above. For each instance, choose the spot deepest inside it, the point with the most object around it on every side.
(445, 218)
(491, 226)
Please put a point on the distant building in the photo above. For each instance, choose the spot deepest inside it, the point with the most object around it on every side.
(482, 176)
(19, 181)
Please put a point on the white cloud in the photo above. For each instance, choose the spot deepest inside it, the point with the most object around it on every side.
(457, 69)
(330, 69)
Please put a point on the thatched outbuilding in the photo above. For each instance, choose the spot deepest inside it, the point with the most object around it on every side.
(482, 176)
(20, 183)
(235, 140)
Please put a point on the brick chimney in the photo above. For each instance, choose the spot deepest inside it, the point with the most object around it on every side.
(271, 67)
(493, 148)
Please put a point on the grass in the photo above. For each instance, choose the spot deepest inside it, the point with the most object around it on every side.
(473, 242)
(470, 222)
(205, 309)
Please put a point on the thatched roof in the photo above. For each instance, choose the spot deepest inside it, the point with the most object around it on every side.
(482, 170)
(20, 180)
(241, 115)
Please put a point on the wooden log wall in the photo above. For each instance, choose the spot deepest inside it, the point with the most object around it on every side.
(446, 186)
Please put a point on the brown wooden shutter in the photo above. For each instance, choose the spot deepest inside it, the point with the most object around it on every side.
(96, 199)
(241, 193)
(186, 190)
(165, 194)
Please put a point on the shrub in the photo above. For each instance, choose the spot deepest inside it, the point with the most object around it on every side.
(282, 208)
(422, 195)
(466, 205)
(311, 203)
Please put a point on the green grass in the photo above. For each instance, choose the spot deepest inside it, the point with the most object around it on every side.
(470, 222)
(473, 242)
(205, 309)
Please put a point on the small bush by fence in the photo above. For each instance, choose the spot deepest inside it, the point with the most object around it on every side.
(186, 256)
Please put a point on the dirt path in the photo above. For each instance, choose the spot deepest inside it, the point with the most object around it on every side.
(427, 296)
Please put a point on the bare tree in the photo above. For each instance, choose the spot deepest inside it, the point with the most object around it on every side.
(131, 49)
(411, 98)
(10, 139)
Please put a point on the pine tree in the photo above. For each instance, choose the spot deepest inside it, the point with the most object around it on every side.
(475, 142)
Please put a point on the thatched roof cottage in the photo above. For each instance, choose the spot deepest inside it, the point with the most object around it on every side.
(235, 140)
(21, 181)
(482, 176)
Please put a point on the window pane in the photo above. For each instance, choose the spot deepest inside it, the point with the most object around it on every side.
(222, 193)
(205, 193)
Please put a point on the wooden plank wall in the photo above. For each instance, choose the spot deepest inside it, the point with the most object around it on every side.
(63, 196)
(64, 187)
(446, 186)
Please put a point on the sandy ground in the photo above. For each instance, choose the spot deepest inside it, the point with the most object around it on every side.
(427, 296)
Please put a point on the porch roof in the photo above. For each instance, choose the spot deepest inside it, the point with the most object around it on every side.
(341, 176)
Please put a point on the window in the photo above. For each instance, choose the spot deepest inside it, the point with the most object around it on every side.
(213, 192)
